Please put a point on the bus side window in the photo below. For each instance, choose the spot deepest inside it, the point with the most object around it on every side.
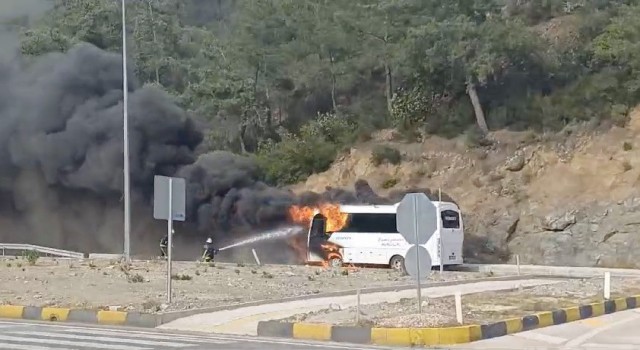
(450, 219)
(318, 225)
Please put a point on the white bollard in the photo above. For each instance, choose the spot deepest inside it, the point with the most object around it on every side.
(358, 306)
(518, 263)
(459, 307)
(607, 285)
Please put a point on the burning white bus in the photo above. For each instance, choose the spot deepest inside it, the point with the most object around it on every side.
(367, 235)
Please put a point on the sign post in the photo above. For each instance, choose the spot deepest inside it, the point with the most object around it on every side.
(169, 203)
(170, 239)
(440, 243)
(416, 220)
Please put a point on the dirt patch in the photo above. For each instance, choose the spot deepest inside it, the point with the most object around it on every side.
(141, 286)
(478, 308)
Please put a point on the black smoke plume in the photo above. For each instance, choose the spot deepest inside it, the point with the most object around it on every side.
(61, 162)
(61, 147)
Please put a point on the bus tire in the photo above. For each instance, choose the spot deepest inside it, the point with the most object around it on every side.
(397, 263)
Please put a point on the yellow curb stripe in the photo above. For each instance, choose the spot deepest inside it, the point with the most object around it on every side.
(311, 331)
(425, 336)
(111, 317)
(54, 314)
(514, 325)
(597, 309)
(11, 311)
(545, 319)
(391, 336)
(573, 313)
(621, 304)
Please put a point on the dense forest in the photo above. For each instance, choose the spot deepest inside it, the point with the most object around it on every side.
(293, 82)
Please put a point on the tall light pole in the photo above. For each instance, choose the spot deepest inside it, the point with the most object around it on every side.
(125, 90)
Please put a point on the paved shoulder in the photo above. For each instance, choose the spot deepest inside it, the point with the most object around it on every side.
(47, 336)
(40, 337)
(616, 331)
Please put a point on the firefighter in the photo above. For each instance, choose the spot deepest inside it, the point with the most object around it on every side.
(209, 251)
(164, 243)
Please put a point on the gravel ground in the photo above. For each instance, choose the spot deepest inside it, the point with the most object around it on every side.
(478, 308)
(142, 286)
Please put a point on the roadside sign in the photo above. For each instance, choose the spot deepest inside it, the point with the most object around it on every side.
(417, 221)
(418, 263)
(161, 198)
(416, 218)
(169, 204)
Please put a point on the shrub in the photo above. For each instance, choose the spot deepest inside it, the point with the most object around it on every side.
(389, 183)
(382, 154)
(294, 158)
(137, 278)
(181, 277)
(312, 150)
(31, 256)
(627, 146)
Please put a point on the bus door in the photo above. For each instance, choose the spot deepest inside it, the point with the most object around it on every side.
(316, 236)
(451, 236)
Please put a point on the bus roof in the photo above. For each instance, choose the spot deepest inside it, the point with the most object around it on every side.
(382, 209)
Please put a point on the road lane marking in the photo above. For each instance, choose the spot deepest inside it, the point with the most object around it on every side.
(594, 322)
(541, 337)
(23, 347)
(610, 346)
(71, 343)
(583, 338)
(148, 335)
(118, 339)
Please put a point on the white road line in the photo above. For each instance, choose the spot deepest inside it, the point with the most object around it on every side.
(583, 338)
(541, 337)
(119, 339)
(70, 343)
(628, 339)
(610, 346)
(25, 347)
(150, 335)
(13, 324)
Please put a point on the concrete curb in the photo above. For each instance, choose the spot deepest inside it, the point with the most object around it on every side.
(444, 335)
(148, 320)
(55, 314)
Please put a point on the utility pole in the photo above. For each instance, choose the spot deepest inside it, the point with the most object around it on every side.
(127, 185)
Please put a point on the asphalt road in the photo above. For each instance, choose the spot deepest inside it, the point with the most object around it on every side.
(27, 335)
(616, 331)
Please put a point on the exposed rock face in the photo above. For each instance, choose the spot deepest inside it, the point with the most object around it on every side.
(602, 234)
(558, 221)
(517, 162)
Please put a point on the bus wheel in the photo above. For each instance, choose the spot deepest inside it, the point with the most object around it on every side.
(397, 263)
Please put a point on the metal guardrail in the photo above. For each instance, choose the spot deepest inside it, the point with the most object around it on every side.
(40, 249)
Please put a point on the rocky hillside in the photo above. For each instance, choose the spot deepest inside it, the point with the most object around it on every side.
(564, 199)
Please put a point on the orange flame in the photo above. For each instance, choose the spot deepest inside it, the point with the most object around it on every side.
(335, 219)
